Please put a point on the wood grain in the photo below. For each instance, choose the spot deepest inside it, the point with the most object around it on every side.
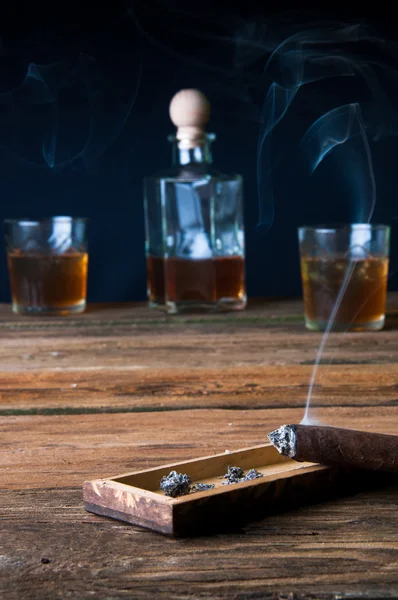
(71, 448)
(254, 388)
(123, 388)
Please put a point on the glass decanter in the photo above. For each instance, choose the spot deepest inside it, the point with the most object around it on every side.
(194, 221)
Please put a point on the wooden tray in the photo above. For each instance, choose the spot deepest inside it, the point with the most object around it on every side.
(137, 498)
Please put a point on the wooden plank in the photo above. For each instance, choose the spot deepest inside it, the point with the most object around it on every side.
(246, 338)
(64, 450)
(175, 388)
(190, 347)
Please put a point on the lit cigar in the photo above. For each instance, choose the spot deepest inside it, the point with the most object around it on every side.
(334, 446)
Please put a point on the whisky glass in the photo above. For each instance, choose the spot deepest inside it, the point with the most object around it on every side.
(344, 272)
(47, 265)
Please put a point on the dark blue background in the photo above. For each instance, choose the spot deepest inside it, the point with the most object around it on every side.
(82, 126)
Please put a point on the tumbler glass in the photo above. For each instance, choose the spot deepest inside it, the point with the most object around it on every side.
(344, 271)
(47, 265)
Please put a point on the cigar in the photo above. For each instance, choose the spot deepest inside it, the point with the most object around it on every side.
(337, 447)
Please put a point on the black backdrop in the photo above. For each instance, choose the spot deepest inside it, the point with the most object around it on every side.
(84, 94)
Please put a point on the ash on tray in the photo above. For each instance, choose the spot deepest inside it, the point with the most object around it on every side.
(179, 484)
(236, 475)
(202, 487)
(175, 484)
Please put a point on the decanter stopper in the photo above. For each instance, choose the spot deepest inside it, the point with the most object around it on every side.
(190, 111)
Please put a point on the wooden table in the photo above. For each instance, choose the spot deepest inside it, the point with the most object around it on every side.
(123, 388)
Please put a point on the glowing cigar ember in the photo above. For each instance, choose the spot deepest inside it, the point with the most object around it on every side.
(335, 446)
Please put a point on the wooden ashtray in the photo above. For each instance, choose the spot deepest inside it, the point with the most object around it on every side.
(137, 498)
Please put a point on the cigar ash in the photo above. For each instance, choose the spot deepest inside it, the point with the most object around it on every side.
(179, 484)
(284, 440)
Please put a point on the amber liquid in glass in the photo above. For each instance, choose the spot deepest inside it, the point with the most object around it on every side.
(363, 302)
(196, 281)
(48, 283)
(155, 280)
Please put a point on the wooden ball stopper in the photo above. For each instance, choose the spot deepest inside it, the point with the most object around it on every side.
(190, 111)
